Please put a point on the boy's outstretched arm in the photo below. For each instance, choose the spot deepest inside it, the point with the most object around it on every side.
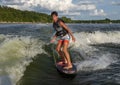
(53, 39)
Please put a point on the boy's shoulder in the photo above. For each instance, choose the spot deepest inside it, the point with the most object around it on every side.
(61, 20)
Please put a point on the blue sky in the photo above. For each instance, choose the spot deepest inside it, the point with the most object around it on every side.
(74, 9)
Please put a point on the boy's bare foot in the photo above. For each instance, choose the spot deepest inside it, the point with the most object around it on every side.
(67, 67)
(61, 63)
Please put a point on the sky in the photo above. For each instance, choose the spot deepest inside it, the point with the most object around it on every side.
(74, 9)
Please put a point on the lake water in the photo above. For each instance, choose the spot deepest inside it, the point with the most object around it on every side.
(26, 55)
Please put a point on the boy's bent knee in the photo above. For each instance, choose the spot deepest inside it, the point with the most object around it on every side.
(57, 49)
(64, 50)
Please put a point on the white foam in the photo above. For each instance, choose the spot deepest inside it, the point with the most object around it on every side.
(83, 39)
(100, 62)
(15, 55)
(94, 59)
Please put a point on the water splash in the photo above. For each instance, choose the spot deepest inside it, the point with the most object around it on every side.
(95, 58)
(15, 54)
(98, 62)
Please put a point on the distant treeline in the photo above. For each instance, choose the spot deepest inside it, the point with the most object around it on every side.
(8, 14)
(97, 21)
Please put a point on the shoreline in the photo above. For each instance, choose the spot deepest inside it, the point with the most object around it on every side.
(22, 23)
(50, 23)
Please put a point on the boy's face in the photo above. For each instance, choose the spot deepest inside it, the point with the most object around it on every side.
(54, 17)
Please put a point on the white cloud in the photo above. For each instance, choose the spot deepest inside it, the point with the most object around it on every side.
(70, 14)
(70, 8)
(58, 5)
(84, 7)
(98, 13)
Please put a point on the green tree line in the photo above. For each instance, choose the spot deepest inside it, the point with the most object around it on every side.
(8, 14)
(97, 21)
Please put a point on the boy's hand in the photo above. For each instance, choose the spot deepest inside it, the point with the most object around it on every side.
(73, 39)
(52, 41)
